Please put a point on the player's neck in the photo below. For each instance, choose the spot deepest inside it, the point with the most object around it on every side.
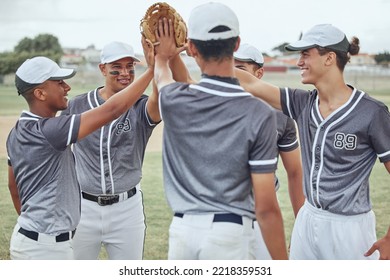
(223, 68)
(106, 93)
(332, 97)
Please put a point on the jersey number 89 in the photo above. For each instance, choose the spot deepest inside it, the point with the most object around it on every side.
(345, 141)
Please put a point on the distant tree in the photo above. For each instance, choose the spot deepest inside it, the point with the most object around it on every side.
(42, 45)
(383, 58)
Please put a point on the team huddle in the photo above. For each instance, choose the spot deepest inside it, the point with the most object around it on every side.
(75, 177)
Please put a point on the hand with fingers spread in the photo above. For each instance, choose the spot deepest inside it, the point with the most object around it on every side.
(149, 23)
(165, 36)
(148, 49)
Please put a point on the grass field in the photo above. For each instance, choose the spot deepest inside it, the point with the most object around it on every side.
(158, 214)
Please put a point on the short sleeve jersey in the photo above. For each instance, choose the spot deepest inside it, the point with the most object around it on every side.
(40, 155)
(339, 152)
(109, 160)
(215, 135)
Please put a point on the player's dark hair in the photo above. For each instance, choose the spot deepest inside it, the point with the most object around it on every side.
(256, 66)
(28, 94)
(216, 49)
(343, 57)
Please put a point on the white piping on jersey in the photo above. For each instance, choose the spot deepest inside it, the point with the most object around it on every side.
(288, 102)
(102, 181)
(383, 154)
(102, 173)
(314, 118)
(89, 99)
(32, 118)
(109, 155)
(219, 83)
(28, 119)
(159, 104)
(263, 162)
(70, 130)
(288, 145)
(37, 118)
(324, 137)
(146, 114)
(317, 108)
(220, 93)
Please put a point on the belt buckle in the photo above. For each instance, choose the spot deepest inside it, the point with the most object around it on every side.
(107, 199)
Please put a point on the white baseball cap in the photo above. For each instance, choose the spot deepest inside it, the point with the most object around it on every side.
(321, 35)
(115, 51)
(37, 70)
(206, 17)
(249, 53)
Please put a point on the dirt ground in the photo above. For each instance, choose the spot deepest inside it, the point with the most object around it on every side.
(8, 122)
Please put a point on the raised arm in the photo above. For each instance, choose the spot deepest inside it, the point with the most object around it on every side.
(118, 103)
(165, 51)
(268, 92)
(179, 70)
(152, 104)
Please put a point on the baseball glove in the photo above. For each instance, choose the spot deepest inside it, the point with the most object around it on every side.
(149, 23)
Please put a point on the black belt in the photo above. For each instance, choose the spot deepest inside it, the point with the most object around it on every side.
(108, 199)
(34, 235)
(227, 217)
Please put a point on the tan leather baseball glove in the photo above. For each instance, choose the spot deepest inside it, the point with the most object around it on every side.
(149, 23)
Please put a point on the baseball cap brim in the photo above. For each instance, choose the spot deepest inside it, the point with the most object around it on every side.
(61, 74)
(300, 46)
(115, 58)
(321, 35)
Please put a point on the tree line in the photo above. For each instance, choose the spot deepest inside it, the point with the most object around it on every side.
(49, 46)
(41, 45)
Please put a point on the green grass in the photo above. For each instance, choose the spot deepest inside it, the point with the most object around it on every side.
(158, 214)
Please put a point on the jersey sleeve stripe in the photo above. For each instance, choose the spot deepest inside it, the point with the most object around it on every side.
(288, 145)
(383, 154)
(70, 131)
(263, 162)
(219, 93)
(147, 115)
(159, 105)
(219, 83)
(288, 103)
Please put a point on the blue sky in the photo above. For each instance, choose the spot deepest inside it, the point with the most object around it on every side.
(263, 23)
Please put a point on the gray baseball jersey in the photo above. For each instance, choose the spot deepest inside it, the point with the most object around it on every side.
(287, 136)
(40, 155)
(109, 160)
(339, 152)
(215, 136)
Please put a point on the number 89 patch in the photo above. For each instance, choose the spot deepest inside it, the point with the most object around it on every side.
(345, 141)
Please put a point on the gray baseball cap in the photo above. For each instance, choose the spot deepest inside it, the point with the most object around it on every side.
(36, 70)
(115, 51)
(321, 35)
(249, 53)
(206, 17)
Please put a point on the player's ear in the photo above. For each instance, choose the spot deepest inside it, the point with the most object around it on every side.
(331, 58)
(259, 73)
(103, 68)
(40, 94)
(191, 49)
